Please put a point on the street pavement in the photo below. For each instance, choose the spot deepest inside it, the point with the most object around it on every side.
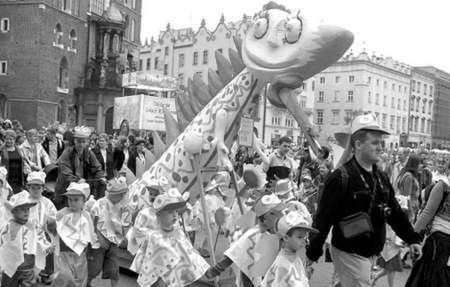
(321, 278)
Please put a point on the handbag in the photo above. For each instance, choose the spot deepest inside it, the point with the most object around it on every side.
(355, 225)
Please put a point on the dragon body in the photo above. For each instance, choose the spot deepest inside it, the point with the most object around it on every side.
(279, 48)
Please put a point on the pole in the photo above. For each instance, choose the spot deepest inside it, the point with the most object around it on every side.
(235, 182)
(264, 114)
(204, 207)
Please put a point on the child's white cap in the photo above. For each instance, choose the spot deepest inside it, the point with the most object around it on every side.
(36, 177)
(20, 199)
(78, 189)
(170, 200)
(295, 219)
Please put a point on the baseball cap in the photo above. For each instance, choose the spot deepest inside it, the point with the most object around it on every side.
(20, 199)
(266, 203)
(82, 132)
(117, 186)
(75, 188)
(36, 177)
(295, 219)
(367, 122)
(170, 200)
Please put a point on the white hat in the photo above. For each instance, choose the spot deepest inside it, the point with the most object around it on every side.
(266, 203)
(78, 189)
(82, 132)
(20, 199)
(36, 177)
(295, 219)
(117, 186)
(283, 186)
(367, 122)
(172, 199)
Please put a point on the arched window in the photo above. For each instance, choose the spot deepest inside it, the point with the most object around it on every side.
(58, 34)
(3, 106)
(133, 24)
(63, 79)
(127, 27)
(73, 40)
(61, 115)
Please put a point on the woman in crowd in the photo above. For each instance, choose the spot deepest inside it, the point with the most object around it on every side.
(13, 160)
(432, 269)
(408, 185)
(121, 156)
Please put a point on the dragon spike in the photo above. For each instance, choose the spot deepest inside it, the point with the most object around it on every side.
(224, 68)
(193, 101)
(182, 121)
(172, 131)
(201, 91)
(158, 145)
(214, 82)
(185, 108)
(238, 43)
(236, 61)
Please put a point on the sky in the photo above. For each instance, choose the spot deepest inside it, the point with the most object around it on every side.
(415, 32)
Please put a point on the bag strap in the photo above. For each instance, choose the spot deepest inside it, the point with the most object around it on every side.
(344, 177)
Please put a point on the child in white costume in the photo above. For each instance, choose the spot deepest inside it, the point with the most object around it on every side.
(19, 240)
(76, 231)
(166, 257)
(287, 269)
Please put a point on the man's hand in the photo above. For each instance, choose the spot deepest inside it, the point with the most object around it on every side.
(416, 251)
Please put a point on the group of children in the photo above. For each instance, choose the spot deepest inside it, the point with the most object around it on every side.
(70, 247)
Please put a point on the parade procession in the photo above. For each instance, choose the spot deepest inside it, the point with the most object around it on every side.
(145, 179)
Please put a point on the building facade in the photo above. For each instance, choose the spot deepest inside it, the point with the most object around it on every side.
(46, 52)
(359, 84)
(440, 127)
(421, 105)
(183, 53)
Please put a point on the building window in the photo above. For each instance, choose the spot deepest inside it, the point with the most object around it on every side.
(393, 87)
(141, 65)
(431, 90)
(61, 113)
(132, 31)
(418, 87)
(336, 96)
(424, 106)
(304, 86)
(58, 36)
(416, 125)
(63, 77)
(393, 102)
(67, 6)
(181, 60)
(195, 58)
(422, 125)
(378, 82)
(405, 106)
(3, 68)
(181, 78)
(392, 123)
(369, 97)
(351, 79)
(348, 117)
(413, 86)
(430, 105)
(398, 125)
(384, 101)
(322, 80)
(199, 75)
(350, 96)
(319, 117)
(403, 124)
(429, 126)
(205, 57)
(73, 41)
(337, 79)
(4, 25)
(399, 104)
(417, 104)
(369, 80)
(289, 122)
(377, 99)
(425, 88)
(383, 120)
(335, 117)
(166, 51)
(276, 121)
(133, 4)
(399, 88)
(413, 102)
(313, 86)
(385, 84)
(156, 63)
(149, 61)
(166, 69)
(321, 97)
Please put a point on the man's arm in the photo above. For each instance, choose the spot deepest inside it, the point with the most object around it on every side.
(95, 166)
(327, 213)
(65, 167)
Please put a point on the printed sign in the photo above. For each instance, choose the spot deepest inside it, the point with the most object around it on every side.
(246, 132)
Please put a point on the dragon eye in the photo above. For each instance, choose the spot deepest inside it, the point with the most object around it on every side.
(261, 26)
(293, 30)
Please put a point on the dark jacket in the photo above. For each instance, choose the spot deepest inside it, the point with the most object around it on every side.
(16, 183)
(118, 159)
(337, 203)
(109, 165)
(59, 149)
(66, 171)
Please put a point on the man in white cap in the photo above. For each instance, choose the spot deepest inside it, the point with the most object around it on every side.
(78, 164)
(358, 200)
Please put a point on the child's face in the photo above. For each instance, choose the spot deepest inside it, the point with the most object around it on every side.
(115, 198)
(168, 218)
(35, 190)
(22, 213)
(296, 240)
(75, 202)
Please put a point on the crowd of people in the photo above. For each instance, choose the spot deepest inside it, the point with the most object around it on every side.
(70, 205)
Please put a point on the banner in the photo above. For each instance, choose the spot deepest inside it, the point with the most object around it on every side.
(143, 112)
(143, 78)
(246, 132)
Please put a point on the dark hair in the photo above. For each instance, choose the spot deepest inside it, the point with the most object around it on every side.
(325, 152)
(412, 165)
(284, 139)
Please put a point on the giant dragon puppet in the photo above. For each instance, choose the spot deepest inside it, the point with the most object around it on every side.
(279, 48)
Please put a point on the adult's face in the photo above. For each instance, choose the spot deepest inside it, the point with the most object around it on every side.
(102, 143)
(9, 141)
(140, 147)
(33, 138)
(370, 149)
(81, 143)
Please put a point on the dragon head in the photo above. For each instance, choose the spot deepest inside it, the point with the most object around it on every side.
(285, 49)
